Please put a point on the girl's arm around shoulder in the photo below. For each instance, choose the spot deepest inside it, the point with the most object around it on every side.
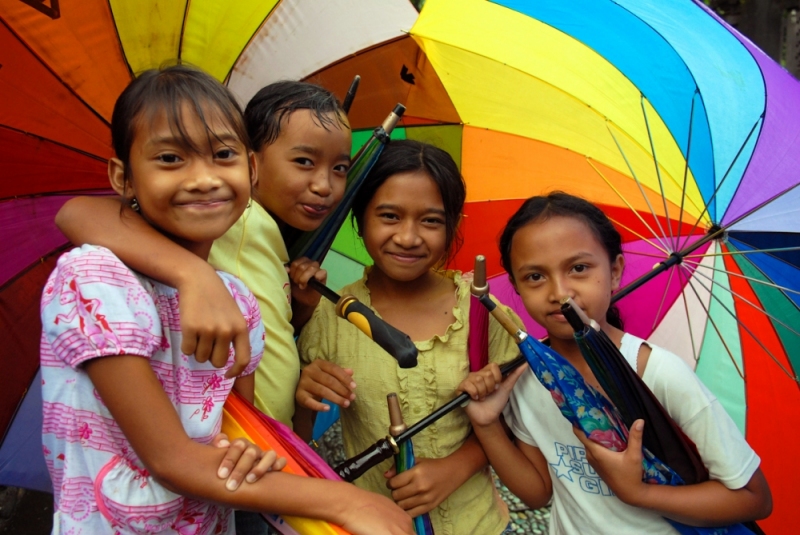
(210, 319)
(135, 398)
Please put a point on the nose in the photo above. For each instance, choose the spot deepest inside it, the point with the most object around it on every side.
(407, 235)
(560, 288)
(203, 177)
(321, 183)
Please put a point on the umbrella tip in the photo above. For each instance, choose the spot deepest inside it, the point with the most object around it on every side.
(479, 285)
(576, 316)
(396, 423)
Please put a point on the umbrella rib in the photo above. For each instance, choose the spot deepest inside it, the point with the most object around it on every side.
(724, 178)
(663, 247)
(758, 308)
(685, 282)
(751, 279)
(714, 323)
(746, 328)
(747, 251)
(641, 190)
(686, 167)
(760, 206)
(663, 299)
(647, 240)
(658, 175)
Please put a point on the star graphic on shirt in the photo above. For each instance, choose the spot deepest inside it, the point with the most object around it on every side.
(563, 469)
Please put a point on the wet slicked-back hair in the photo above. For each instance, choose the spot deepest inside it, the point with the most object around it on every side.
(168, 89)
(266, 110)
(409, 156)
(560, 204)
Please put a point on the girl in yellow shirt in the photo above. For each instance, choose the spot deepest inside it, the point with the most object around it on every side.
(407, 213)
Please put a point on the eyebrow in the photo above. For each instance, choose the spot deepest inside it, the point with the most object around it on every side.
(571, 259)
(226, 137)
(389, 206)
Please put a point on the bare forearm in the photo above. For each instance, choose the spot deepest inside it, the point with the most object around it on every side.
(467, 460)
(275, 492)
(709, 503)
(513, 467)
(99, 221)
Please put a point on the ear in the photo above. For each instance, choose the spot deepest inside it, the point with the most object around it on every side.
(253, 163)
(116, 175)
(617, 267)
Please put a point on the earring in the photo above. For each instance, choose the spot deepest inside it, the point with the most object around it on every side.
(134, 204)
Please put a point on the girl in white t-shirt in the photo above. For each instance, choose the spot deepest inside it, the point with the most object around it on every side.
(560, 245)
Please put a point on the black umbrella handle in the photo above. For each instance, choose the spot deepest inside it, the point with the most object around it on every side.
(395, 342)
(353, 468)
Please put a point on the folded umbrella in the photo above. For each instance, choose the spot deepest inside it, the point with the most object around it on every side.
(241, 419)
(404, 460)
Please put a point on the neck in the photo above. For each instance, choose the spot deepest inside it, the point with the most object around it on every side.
(384, 286)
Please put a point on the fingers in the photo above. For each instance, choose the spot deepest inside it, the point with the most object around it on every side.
(303, 269)
(322, 379)
(635, 438)
(237, 462)
(241, 354)
(269, 462)
(512, 378)
(220, 441)
(189, 342)
(389, 474)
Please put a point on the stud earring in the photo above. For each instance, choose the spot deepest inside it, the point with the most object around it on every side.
(134, 204)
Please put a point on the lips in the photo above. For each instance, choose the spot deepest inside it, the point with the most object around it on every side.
(316, 210)
(405, 258)
(205, 203)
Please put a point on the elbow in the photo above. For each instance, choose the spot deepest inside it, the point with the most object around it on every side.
(764, 508)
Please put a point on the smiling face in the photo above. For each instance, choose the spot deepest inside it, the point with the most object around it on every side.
(301, 176)
(193, 197)
(404, 226)
(559, 257)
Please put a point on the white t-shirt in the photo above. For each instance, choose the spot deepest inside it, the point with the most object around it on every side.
(582, 502)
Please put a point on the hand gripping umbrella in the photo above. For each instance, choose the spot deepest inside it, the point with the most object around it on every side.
(404, 460)
(633, 398)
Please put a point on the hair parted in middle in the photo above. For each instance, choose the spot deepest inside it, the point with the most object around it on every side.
(408, 156)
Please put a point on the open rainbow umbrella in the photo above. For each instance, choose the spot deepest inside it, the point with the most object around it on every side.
(62, 65)
(677, 126)
(655, 109)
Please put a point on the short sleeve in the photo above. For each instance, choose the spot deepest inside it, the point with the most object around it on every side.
(93, 306)
(318, 335)
(517, 410)
(724, 451)
(502, 346)
(248, 304)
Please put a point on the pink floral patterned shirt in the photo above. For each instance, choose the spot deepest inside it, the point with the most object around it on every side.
(95, 306)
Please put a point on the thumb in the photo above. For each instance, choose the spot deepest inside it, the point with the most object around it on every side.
(635, 437)
(511, 379)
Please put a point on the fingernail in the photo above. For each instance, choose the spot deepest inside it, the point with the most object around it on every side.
(326, 408)
(223, 473)
(346, 403)
(251, 478)
(353, 385)
(223, 443)
(231, 484)
(639, 426)
(496, 386)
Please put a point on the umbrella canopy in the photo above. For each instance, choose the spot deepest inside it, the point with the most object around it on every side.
(678, 127)
(654, 109)
(62, 66)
